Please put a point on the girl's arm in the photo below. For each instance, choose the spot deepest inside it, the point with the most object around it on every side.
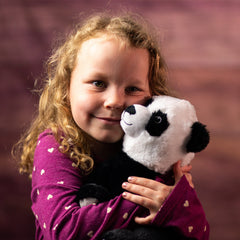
(173, 206)
(55, 183)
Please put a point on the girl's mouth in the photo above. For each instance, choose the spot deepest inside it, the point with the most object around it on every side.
(107, 120)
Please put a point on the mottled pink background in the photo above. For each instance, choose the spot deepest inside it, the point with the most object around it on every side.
(201, 43)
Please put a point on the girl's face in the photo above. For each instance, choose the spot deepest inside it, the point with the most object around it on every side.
(108, 77)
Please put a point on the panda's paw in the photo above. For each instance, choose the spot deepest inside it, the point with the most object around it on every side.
(87, 201)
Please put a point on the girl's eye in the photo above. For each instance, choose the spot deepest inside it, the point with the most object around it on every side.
(99, 84)
(132, 89)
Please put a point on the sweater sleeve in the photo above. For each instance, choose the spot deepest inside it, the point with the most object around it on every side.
(55, 183)
(183, 210)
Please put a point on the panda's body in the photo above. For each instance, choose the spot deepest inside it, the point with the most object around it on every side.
(157, 135)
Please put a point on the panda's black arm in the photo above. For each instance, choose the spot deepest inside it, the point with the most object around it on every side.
(112, 173)
(92, 190)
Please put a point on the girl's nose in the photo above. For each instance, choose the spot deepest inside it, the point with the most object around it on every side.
(115, 99)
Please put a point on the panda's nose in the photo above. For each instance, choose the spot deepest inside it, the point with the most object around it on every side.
(131, 110)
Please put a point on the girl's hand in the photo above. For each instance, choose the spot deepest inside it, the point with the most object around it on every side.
(152, 194)
(186, 171)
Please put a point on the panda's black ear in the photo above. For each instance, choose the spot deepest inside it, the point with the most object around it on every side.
(199, 138)
(148, 102)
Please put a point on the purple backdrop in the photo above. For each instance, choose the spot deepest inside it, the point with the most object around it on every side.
(200, 41)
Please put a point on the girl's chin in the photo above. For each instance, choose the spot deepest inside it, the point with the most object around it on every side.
(114, 138)
(109, 140)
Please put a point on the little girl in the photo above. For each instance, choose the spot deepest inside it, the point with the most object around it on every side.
(105, 65)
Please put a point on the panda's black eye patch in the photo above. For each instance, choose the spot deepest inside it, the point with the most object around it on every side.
(157, 124)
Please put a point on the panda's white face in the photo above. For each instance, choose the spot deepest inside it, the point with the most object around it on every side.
(155, 134)
(129, 119)
(137, 118)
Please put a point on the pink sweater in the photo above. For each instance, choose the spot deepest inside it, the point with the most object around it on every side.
(56, 181)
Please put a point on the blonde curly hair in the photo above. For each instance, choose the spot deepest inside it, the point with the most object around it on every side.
(54, 110)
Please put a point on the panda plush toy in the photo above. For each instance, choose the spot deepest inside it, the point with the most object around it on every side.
(157, 135)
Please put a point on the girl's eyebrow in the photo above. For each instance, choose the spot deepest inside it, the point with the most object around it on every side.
(136, 81)
(98, 75)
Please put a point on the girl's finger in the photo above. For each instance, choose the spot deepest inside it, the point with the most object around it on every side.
(138, 189)
(140, 200)
(144, 220)
(187, 168)
(145, 182)
(177, 171)
(180, 171)
(189, 179)
(150, 189)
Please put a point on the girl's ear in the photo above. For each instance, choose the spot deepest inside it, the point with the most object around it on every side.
(199, 138)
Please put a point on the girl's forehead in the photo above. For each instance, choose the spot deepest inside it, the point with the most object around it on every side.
(103, 38)
(109, 46)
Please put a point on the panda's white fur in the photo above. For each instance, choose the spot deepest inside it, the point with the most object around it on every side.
(161, 152)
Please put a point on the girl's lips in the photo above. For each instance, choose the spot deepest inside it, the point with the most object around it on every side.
(110, 120)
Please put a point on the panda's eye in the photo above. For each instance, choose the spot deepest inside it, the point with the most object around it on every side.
(157, 119)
